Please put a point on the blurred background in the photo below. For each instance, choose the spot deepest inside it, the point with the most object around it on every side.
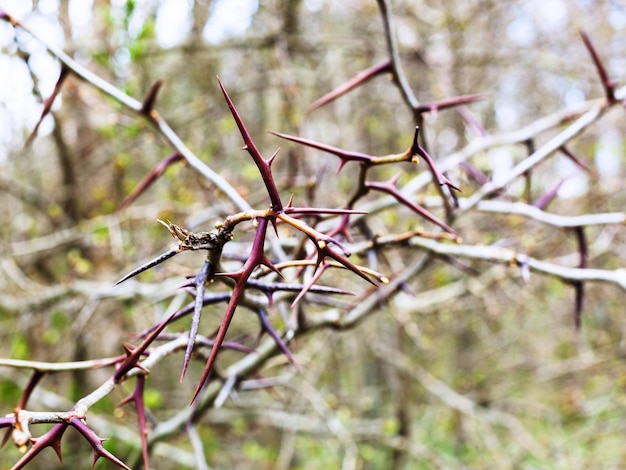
(469, 368)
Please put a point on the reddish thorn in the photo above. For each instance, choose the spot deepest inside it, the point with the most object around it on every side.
(150, 178)
(150, 100)
(275, 226)
(271, 159)
(578, 304)
(474, 173)
(547, 198)
(394, 179)
(358, 79)
(262, 164)
(6, 17)
(47, 104)
(575, 159)
(607, 83)
(449, 103)
(344, 155)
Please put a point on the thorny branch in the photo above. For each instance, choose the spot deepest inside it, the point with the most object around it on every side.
(145, 109)
(326, 249)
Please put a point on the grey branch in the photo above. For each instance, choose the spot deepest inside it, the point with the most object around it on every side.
(555, 220)
(507, 256)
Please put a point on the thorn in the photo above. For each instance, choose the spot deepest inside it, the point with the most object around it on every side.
(150, 178)
(394, 180)
(150, 100)
(150, 264)
(47, 104)
(262, 165)
(580, 295)
(415, 147)
(342, 163)
(607, 83)
(577, 161)
(436, 106)
(274, 155)
(269, 328)
(358, 79)
(265, 261)
(96, 443)
(200, 283)
(6, 17)
(275, 227)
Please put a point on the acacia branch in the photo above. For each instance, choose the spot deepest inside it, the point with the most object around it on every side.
(138, 107)
(398, 73)
(534, 129)
(555, 220)
(507, 256)
(539, 155)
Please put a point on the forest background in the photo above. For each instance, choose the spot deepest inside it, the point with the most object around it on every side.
(501, 346)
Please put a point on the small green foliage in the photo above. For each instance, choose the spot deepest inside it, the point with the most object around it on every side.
(256, 452)
(136, 50)
(391, 427)
(374, 456)
(56, 325)
(226, 125)
(51, 336)
(129, 9)
(153, 398)
(313, 454)
(134, 129)
(101, 57)
(148, 31)
(122, 160)
(101, 234)
(19, 347)
(10, 392)
(78, 262)
(240, 426)
(108, 131)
